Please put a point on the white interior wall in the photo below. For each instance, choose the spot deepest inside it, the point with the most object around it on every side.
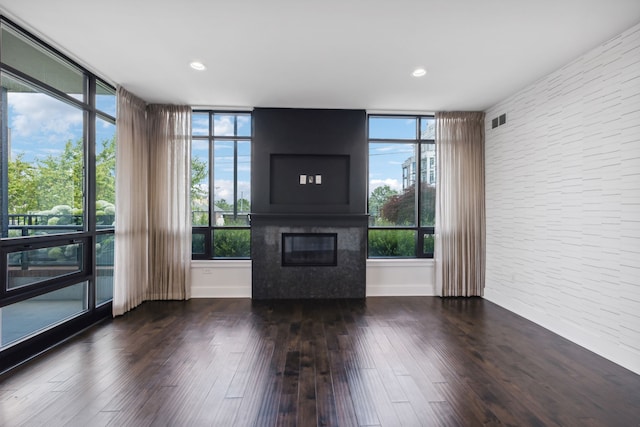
(563, 201)
(388, 277)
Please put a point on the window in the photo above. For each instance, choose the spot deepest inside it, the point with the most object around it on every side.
(221, 185)
(57, 205)
(401, 206)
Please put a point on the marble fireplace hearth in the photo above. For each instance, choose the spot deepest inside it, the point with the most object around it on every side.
(274, 279)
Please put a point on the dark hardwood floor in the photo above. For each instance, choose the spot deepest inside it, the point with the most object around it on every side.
(383, 361)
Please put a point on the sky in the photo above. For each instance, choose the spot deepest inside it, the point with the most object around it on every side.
(41, 125)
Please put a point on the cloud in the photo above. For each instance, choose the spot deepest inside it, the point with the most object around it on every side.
(393, 183)
(391, 149)
(223, 125)
(224, 190)
(36, 114)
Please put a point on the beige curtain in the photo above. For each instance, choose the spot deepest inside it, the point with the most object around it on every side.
(153, 213)
(460, 210)
(131, 269)
(169, 199)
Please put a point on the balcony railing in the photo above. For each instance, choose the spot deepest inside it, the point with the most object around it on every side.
(33, 224)
(22, 225)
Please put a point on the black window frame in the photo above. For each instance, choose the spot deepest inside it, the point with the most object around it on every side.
(85, 234)
(208, 232)
(420, 231)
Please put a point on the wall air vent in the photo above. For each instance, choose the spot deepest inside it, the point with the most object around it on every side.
(498, 121)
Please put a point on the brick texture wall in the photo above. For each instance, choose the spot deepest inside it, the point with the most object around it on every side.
(563, 201)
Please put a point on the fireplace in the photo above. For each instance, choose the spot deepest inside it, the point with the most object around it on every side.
(308, 200)
(309, 249)
(298, 256)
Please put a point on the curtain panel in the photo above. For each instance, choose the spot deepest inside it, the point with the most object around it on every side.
(153, 211)
(460, 206)
(131, 268)
(169, 200)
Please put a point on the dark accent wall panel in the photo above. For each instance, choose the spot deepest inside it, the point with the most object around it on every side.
(337, 134)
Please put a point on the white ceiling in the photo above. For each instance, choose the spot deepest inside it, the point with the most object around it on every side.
(325, 53)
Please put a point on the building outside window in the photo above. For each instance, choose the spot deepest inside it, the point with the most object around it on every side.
(57, 194)
(401, 208)
(221, 184)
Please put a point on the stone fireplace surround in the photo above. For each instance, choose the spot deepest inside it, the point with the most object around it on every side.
(272, 280)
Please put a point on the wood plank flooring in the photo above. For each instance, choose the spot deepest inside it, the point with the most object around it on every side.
(381, 362)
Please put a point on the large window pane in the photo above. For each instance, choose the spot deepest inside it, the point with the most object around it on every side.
(428, 244)
(428, 185)
(428, 128)
(28, 57)
(232, 243)
(105, 173)
(46, 161)
(244, 179)
(198, 243)
(393, 128)
(199, 124)
(26, 318)
(223, 182)
(392, 243)
(37, 265)
(392, 177)
(200, 182)
(231, 124)
(104, 268)
(231, 200)
(105, 99)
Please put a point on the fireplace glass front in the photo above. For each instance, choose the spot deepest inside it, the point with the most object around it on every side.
(309, 249)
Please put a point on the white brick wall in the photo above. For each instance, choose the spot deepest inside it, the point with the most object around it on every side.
(563, 201)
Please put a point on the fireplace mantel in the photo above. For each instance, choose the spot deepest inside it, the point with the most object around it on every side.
(304, 219)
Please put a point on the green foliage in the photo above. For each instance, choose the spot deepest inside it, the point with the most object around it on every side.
(55, 253)
(22, 186)
(392, 243)
(224, 205)
(239, 221)
(197, 244)
(199, 175)
(400, 209)
(105, 249)
(378, 198)
(59, 177)
(428, 205)
(106, 171)
(244, 205)
(428, 244)
(200, 217)
(56, 180)
(232, 243)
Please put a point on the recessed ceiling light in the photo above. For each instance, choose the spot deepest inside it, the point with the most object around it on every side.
(419, 72)
(197, 66)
